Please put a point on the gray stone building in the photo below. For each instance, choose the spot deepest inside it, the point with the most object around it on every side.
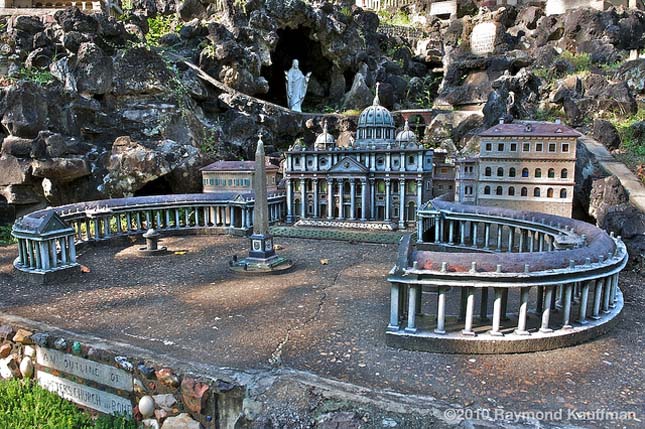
(383, 177)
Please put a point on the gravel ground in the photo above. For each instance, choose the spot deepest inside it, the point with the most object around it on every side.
(325, 319)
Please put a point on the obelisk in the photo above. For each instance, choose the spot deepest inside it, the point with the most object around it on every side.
(261, 240)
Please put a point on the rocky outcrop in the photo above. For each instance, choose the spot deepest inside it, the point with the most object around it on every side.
(605, 132)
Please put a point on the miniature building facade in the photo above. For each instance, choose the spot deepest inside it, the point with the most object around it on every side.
(522, 166)
(443, 175)
(382, 177)
(236, 176)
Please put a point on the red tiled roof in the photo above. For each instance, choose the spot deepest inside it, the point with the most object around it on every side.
(537, 129)
(235, 166)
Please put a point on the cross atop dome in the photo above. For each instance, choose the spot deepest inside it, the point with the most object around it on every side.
(377, 102)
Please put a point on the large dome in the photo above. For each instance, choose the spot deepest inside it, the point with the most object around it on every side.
(376, 116)
(375, 125)
(325, 139)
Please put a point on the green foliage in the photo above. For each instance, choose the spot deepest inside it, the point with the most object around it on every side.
(581, 62)
(26, 405)
(38, 76)
(548, 114)
(5, 235)
(399, 17)
(345, 10)
(632, 150)
(161, 25)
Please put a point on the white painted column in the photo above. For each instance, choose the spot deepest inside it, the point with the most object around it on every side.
(523, 313)
(341, 202)
(289, 200)
(352, 199)
(470, 309)
(546, 311)
(314, 183)
(372, 199)
(441, 310)
(497, 313)
(394, 307)
(330, 199)
(402, 203)
(303, 199)
(387, 200)
(363, 200)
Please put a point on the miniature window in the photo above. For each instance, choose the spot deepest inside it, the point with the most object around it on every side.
(538, 147)
(378, 133)
(538, 172)
(524, 192)
(297, 160)
(525, 172)
(500, 147)
(428, 160)
(513, 147)
(323, 161)
(536, 192)
(511, 172)
(500, 172)
(564, 173)
(489, 147)
(499, 191)
(487, 190)
(488, 171)
(526, 147)
(444, 170)
(551, 173)
(380, 186)
(511, 191)
(379, 161)
(549, 193)
(563, 193)
(395, 162)
(412, 186)
(310, 162)
(565, 147)
(450, 187)
(411, 159)
(323, 187)
(439, 186)
(551, 147)
(230, 182)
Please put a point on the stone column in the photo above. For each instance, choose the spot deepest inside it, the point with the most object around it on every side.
(419, 193)
(486, 235)
(521, 243)
(584, 299)
(437, 235)
(330, 199)
(363, 200)
(474, 238)
(606, 293)
(546, 311)
(394, 307)
(597, 297)
(352, 199)
(420, 161)
(289, 200)
(566, 315)
(614, 291)
(341, 203)
(314, 183)
(451, 231)
(388, 161)
(470, 309)
(387, 200)
(44, 255)
(441, 310)
(524, 309)
(372, 163)
(462, 233)
(531, 241)
(303, 199)
(497, 313)
(402, 203)
(500, 233)
(372, 199)
(511, 236)
(412, 308)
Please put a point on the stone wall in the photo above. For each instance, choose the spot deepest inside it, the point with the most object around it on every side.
(155, 395)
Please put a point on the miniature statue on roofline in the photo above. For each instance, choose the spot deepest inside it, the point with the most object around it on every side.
(296, 86)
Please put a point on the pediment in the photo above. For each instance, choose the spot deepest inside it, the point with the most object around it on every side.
(52, 223)
(348, 165)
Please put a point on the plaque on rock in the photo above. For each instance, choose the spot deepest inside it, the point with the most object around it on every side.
(86, 396)
(86, 369)
(482, 39)
(443, 8)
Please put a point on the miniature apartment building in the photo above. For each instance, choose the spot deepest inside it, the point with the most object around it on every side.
(382, 177)
(521, 166)
(236, 176)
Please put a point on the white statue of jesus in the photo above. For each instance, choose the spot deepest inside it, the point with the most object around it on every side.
(296, 86)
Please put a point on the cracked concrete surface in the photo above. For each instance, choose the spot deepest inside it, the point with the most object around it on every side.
(321, 327)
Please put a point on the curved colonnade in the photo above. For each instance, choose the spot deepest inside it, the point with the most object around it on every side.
(47, 238)
(554, 281)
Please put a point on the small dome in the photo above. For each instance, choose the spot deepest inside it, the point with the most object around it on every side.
(406, 136)
(324, 139)
(376, 115)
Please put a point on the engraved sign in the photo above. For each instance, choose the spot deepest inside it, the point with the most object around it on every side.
(86, 396)
(482, 39)
(443, 8)
(84, 368)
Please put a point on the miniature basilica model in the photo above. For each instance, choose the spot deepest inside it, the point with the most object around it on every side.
(383, 177)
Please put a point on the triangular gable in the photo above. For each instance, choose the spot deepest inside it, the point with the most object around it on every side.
(52, 223)
(348, 165)
(239, 198)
